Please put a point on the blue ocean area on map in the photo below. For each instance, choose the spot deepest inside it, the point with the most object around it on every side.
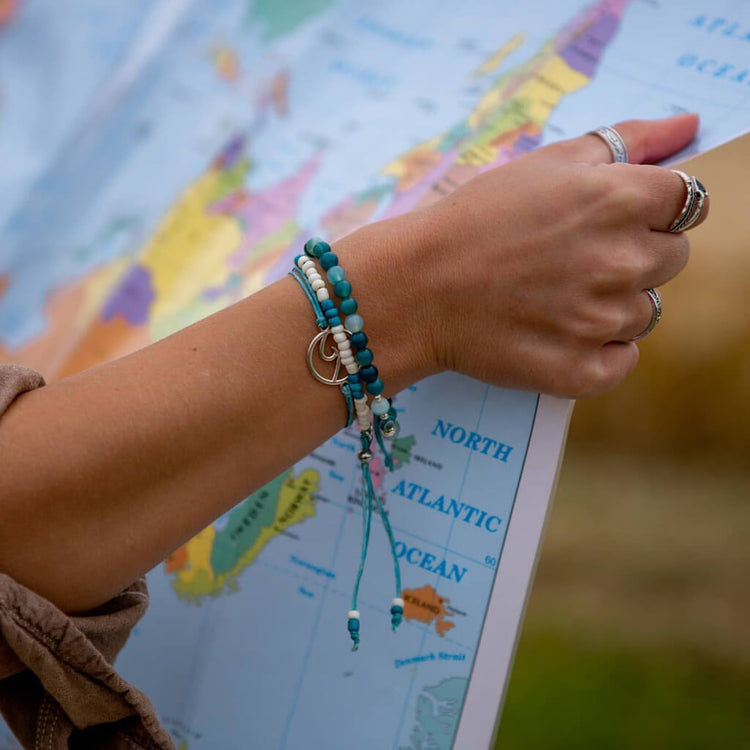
(162, 160)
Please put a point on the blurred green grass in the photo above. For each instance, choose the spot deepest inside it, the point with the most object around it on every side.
(636, 634)
(567, 694)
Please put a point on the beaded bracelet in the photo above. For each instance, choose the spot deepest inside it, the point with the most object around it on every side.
(322, 321)
(352, 352)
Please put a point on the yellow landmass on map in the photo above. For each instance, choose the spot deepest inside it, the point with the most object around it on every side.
(411, 167)
(427, 606)
(518, 105)
(495, 61)
(265, 254)
(226, 62)
(529, 108)
(189, 250)
(196, 578)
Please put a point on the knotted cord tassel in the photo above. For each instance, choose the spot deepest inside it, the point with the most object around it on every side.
(365, 456)
(387, 457)
(353, 625)
(397, 605)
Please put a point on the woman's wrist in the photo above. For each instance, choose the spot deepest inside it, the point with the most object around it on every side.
(384, 262)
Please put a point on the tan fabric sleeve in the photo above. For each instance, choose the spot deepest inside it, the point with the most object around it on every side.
(58, 688)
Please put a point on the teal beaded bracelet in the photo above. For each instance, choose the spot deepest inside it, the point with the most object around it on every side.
(362, 375)
(385, 422)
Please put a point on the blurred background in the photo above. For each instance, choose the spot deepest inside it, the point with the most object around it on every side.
(637, 627)
(639, 618)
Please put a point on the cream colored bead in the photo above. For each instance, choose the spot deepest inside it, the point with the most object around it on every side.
(337, 329)
(323, 294)
(352, 369)
(317, 284)
(339, 337)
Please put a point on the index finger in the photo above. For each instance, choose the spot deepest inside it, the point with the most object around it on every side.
(647, 141)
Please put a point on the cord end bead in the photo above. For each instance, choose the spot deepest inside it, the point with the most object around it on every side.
(353, 626)
(390, 428)
(397, 612)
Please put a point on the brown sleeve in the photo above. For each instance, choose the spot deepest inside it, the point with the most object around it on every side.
(58, 688)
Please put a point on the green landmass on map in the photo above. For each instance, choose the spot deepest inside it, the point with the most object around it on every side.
(210, 562)
(437, 713)
(279, 18)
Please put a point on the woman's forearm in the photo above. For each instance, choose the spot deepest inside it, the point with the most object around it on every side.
(108, 471)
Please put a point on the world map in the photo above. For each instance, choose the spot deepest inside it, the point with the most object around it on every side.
(173, 159)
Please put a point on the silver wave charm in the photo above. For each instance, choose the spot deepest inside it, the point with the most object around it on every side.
(328, 351)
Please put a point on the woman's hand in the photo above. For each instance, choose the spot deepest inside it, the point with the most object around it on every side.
(533, 274)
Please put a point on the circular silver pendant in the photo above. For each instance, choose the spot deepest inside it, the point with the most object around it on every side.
(326, 350)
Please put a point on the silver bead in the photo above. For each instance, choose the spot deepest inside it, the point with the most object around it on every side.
(365, 456)
(390, 429)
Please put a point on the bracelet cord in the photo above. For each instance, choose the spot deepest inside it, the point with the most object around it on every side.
(378, 420)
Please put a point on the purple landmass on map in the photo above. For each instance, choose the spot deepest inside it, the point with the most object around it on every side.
(133, 297)
(231, 153)
(525, 143)
(585, 52)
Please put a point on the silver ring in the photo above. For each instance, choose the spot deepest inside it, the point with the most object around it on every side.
(655, 298)
(695, 200)
(614, 140)
(688, 207)
(701, 195)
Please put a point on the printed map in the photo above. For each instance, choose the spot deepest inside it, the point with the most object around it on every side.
(162, 160)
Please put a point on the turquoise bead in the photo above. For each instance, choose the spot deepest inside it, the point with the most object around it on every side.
(319, 249)
(380, 407)
(354, 323)
(327, 304)
(342, 289)
(335, 274)
(353, 625)
(335, 321)
(364, 357)
(310, 244)
(369, 374)
(349, 306)
(376, 387)
(328, 260)
(358, 340)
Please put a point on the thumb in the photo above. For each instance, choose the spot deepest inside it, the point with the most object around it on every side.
(647, 141)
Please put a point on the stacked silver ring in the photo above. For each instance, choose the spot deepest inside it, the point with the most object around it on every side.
(656, 308)
(615, 142)
(694, 203)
